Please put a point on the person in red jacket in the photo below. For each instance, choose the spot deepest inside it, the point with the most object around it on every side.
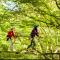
(10, 34)
(32, 35)
(11, 37)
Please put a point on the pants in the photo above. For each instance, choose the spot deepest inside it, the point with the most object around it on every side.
(10, 43)
(32, 43)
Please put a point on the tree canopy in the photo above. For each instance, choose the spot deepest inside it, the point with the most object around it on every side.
(23, 15)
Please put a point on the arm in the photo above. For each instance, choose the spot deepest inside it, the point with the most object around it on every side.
(37, 33)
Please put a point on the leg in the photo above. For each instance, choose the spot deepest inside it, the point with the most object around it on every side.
(31, 43)
(11, 45)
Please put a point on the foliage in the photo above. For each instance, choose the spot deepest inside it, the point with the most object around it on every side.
(45, 13)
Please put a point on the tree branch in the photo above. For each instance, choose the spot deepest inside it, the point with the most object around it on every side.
(57, 4)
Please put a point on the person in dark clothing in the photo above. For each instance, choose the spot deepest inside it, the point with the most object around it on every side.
(32, 35)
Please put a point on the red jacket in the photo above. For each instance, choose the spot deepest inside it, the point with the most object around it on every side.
(10, 34)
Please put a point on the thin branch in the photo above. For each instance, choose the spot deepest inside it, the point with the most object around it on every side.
(57, 4)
